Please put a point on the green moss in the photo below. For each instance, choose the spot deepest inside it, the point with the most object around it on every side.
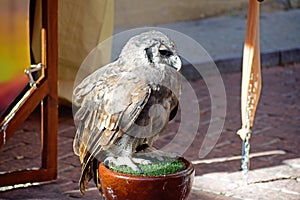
(154, 169)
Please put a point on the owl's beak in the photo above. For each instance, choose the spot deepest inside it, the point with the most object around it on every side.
(176, 62)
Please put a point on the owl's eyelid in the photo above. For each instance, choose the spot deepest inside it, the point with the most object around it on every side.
(162, 48)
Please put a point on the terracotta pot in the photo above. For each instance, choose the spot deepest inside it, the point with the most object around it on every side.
(117, 186)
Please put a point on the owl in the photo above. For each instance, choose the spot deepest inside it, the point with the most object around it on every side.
(123, 107)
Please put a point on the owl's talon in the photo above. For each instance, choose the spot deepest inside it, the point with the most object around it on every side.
(155, 154)
(123, 160)
(141, 161)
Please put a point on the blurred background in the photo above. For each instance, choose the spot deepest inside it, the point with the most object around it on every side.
(219, 26)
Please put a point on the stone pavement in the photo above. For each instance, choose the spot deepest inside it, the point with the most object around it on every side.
(280, 181)
(275, 165)
(274, 144)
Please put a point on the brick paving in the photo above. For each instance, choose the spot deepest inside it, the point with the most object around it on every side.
(276, 129)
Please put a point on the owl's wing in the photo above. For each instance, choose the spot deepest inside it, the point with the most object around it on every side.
(108, 103)
(110, 100)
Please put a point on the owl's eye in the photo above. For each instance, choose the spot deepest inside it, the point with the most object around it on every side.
(165, 52)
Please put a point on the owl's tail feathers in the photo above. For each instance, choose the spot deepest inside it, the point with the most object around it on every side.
(86, 173)
(96, 175)
(90, 160)
(89, 171)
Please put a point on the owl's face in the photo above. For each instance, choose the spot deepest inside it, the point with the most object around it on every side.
(152, 47)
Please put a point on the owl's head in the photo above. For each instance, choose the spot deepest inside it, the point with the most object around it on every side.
(152, 47)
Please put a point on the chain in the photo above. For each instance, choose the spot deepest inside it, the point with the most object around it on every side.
(246, 143)
(245, 155)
